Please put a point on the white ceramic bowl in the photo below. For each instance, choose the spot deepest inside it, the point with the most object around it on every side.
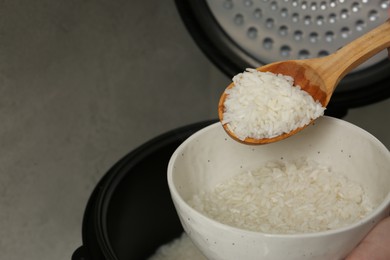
(209, 157)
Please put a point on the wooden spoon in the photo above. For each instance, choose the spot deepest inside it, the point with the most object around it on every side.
(320, 76)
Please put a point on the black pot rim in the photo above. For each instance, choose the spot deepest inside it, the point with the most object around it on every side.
(95, 238)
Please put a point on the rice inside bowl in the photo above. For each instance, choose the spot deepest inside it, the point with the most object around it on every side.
(300, 196)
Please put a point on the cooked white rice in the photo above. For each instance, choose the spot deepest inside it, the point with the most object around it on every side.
(286, 197)
(265, 105)
(181, 248)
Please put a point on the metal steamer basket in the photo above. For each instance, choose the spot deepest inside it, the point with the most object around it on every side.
(240, 34)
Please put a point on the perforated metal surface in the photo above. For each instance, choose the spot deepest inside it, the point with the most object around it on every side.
(271, 30)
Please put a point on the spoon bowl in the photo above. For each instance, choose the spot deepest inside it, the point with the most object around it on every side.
(320, 76)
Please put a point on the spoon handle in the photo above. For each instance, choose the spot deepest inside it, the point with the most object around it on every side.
(358, 51)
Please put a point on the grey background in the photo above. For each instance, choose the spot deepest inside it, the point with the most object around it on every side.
(82, 83)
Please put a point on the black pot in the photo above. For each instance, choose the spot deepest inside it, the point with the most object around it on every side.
(130, 212)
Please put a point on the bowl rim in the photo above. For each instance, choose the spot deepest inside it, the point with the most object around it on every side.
(372, 216)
